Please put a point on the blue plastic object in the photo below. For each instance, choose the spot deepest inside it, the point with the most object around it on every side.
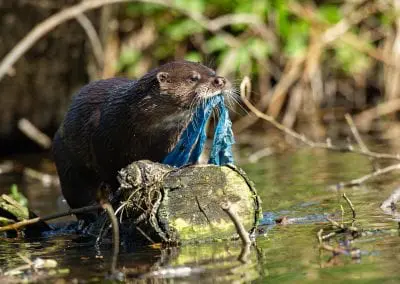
(192, 140)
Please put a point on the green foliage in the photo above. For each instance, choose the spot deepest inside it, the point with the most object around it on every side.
(330, 13)
(296, 41)
(192, 5)
(127, 61)
(18, 196)
(257, 7)
(128, 58)
(351, 60)
(176, 31)
(142, 10)
(258, 48)
(216, 43)
(179, 30)
(387, 19)
(193, 56)
(282, 17)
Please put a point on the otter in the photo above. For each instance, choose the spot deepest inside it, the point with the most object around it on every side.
(113, 122)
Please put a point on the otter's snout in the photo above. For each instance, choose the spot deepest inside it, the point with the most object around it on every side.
(219, 82)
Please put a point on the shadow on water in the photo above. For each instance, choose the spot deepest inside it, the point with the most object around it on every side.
(295, 187)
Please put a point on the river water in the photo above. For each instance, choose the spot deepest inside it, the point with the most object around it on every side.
(297, 187)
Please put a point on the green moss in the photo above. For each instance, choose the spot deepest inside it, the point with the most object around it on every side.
(5, 221)
(215, 224)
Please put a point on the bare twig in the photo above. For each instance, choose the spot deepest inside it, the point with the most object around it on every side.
(93, 37)
(363, 119)
(243, 234)
(244, 253)
(340, 228)
(115, 234)
(334, 223)
(25, 259)
(49, 24)
(250, 19)
(28, 222)
(245, 86)
(145, 235)
(355, 132)
(44, 178)
(34, 133)
(19, 225)
(319, 236)
(363, 47)
(328, 236)
(339, 31)
(256, 156)
(353, 211)
(7, 167)
(330, 35)
(392, 86)
(72, 12)
(354, 253)
(291, 74)
(376, 173)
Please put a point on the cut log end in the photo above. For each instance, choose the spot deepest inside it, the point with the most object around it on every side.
(183, 205)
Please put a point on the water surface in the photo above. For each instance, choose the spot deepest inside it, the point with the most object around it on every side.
(298, 185)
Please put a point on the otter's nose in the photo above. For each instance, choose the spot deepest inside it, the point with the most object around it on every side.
(219, 82)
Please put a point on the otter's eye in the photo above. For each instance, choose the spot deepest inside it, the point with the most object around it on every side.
(195, 77)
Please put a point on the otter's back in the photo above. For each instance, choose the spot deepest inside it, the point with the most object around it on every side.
(83, 116)
(72, 145)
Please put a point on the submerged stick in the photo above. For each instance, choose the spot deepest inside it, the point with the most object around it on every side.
(115, 234)
(353, 211)
(243, 234)
(32, 221)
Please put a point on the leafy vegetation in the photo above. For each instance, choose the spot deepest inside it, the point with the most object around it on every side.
(338, 47)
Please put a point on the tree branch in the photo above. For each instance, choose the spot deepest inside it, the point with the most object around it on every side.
(75, 11)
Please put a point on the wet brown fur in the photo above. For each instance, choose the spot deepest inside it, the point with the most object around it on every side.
(114, 122)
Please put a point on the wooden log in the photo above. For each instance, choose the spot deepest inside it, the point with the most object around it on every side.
(159, 203)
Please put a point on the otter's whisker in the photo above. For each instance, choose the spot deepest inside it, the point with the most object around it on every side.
(235, 99)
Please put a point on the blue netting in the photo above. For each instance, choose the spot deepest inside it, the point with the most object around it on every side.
(191, 142)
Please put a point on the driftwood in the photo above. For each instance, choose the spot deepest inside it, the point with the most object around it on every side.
(158, 203)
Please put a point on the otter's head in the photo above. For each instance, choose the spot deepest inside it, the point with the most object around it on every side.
(190, 83)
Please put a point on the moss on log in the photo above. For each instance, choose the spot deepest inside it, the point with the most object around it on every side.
(159, 203)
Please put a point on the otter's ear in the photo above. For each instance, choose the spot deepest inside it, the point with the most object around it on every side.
(162, 77)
